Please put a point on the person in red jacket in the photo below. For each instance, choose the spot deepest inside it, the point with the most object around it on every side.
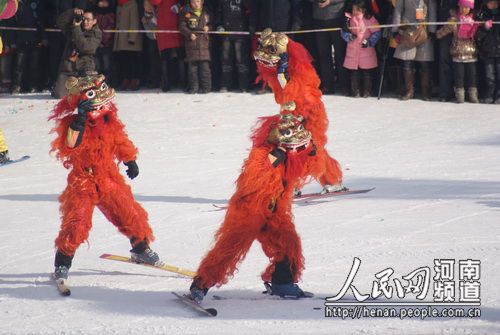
(171, 45)
(105, 16)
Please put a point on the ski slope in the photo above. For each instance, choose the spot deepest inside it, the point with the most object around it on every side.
(435, 166)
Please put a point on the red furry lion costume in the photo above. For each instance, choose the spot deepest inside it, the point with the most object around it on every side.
(286, 67)
(260, 209)
(88, 143)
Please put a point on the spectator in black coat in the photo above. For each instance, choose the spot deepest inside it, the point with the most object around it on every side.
(488, 37)
(27, 67)
(232, 15)
(444, 57)
(279, 15)
(330, 14)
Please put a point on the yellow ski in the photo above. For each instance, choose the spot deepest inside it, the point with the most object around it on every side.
(159, 266)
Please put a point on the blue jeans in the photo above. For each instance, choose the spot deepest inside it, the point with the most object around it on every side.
(492, 77)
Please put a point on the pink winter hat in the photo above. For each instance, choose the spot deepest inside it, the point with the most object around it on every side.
(466, 3)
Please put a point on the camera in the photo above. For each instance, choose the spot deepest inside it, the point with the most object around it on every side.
(78, 18)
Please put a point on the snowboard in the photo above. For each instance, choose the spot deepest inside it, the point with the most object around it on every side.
(15, 160)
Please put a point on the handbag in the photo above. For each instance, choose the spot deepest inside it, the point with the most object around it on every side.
(414, 36)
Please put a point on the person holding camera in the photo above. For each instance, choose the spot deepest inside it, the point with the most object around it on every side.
(83, 38)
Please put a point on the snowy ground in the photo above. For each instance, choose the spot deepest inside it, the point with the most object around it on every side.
(435, 167)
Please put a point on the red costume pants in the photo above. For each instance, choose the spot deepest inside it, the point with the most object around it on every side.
(280, 242)
(115, 200)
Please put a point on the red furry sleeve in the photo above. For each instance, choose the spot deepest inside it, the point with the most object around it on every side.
(59, 145)
(259, 182)
(126, 151)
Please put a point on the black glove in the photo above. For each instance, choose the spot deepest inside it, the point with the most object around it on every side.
(345, 26)
(133, 169)
(83, 108)
(279, 154)
(365, 44)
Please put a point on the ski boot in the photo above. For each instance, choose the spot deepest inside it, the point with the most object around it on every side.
(4, 157)
(148, 256)
(333, 189)
(287, 290)
(61, 273)
(141, 253)
(196, 294)
(62, 264)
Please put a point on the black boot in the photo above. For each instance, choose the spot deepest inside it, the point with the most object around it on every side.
(4, 157)
(395, 79)
(165, 84)
(19, 70)
(355, 84)
(367, 84)
(282, 281)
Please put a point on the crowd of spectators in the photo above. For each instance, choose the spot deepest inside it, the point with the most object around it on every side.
(351, 61)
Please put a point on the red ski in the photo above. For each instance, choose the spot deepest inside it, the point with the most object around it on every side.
(311, 196)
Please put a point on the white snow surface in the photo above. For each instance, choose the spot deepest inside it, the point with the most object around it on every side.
(435, 166)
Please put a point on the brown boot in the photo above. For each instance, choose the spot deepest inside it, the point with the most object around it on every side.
(409, 80)
(460, 94)
(473, 95)
(355, 84)
(425, 84)
(367, 84)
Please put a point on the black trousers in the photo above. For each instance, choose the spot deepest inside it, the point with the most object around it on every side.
(173, 67)
(445, 67)
(235, 53)
(324, 42)
(464, 73)
(129, 63)
(492, 77)
(27, 67)
(57, 42)
(199, 76)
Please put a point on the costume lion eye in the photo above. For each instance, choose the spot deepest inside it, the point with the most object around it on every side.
(272, 49)
(90, 94)
(104, 86)
(300, 128)
(287, 133)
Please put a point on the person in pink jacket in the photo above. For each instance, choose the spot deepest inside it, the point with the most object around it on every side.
(361, 55)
